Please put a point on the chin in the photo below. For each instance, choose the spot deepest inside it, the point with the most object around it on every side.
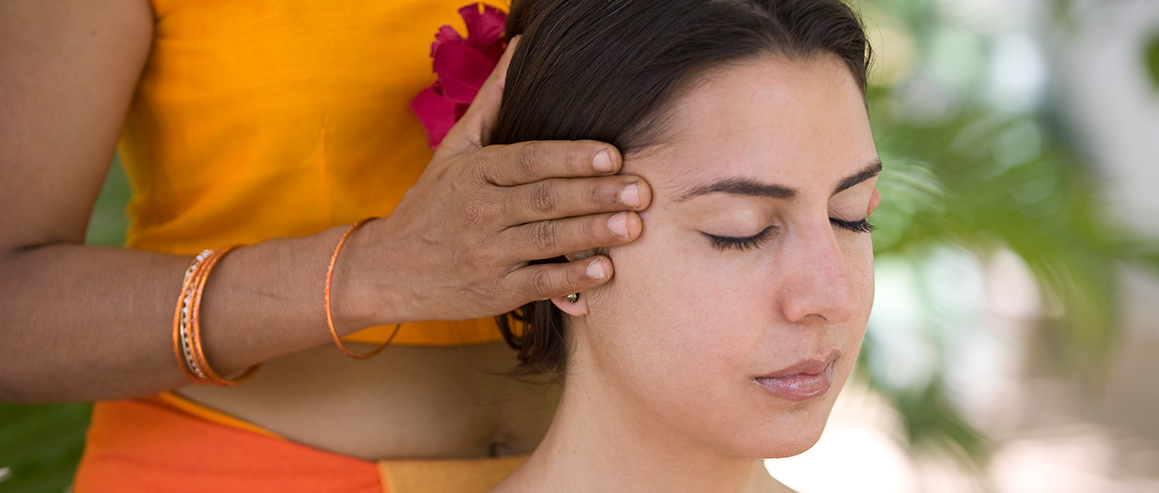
(789, 435)
(789, 448)
(782, 446)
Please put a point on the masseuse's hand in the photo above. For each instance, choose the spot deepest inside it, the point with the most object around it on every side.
(459, 244)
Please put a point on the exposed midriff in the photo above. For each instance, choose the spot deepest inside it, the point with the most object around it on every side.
(258, 119)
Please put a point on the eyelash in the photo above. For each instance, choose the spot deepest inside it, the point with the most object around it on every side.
(740, 243)
(861, 226)
(750, 242)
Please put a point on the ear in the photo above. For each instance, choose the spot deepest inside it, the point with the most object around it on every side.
(577, 309)
(874, 201)
(580, 307)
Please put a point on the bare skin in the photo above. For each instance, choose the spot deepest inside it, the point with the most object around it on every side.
(89, 323)
(668, 384)
(406, 402)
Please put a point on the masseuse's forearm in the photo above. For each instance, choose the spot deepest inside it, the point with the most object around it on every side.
(83, 322)
(80, 322)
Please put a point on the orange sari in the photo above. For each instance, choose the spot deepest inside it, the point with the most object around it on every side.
(258, 119)
(167, 444)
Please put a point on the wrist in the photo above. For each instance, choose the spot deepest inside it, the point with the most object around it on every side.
(362, 294)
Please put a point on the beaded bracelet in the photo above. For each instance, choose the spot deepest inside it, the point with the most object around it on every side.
(187, 328)
(330, 317)
(182, 350)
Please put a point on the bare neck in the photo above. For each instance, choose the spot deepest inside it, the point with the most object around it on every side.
(596, 444)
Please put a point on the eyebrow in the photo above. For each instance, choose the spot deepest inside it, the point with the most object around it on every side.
(752, 188)
(870, 171)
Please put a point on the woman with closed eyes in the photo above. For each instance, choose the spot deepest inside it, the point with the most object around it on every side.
(736, 317)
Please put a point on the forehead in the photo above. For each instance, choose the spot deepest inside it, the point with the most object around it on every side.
(800, 123)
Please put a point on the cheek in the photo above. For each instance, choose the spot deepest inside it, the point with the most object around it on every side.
(860, 264)
(659, 320)
(680, 331)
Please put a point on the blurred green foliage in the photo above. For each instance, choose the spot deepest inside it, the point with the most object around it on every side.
(40, 445)
(109, 223)
(965, 171)
(1152, 56)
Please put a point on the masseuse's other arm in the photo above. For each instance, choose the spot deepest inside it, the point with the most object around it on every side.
(83, 322)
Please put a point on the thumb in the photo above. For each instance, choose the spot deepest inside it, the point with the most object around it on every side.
(473, 131)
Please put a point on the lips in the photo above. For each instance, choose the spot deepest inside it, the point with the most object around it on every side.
(800, 382)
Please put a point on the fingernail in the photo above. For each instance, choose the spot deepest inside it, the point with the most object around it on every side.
(619, 224)
(630, 195)
(596, 270)
(603, 161)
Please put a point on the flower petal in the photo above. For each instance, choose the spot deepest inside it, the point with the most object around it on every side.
(485, 28)
(462, 69)
(436, 113)
(462, 65)
(445, 34)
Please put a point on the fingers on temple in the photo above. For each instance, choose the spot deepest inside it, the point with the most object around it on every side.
(546, 281)
(529, 162)
(558, 197)
(550, 239)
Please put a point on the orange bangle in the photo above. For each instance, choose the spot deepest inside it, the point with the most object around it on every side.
(187, 327)
(195, 325)
(181, 348)
(329, 315)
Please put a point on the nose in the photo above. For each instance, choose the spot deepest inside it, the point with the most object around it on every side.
(816, 280)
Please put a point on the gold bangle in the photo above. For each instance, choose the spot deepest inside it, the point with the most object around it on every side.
(330, 316)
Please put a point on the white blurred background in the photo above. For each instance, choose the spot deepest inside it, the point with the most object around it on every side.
(1078, 76)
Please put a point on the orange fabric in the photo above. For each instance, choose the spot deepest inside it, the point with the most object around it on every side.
(151, 445)
(211, 415)
(447, 476)
(145, 445)
(257, 119)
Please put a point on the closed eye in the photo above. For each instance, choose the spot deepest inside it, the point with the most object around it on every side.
(861, 226)
(743, 243)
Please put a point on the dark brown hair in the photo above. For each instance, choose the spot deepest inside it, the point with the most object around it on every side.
(607, 70)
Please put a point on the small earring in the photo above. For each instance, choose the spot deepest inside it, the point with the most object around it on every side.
(572, 298)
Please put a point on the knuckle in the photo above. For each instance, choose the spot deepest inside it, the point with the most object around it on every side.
(541, 198)
(528, 159)
(545, 235)
(478, 165)
(540, 284)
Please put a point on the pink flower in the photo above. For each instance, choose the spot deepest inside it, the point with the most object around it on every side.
(462, 65)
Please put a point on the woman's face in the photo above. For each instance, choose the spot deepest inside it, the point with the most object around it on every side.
(736, 317)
